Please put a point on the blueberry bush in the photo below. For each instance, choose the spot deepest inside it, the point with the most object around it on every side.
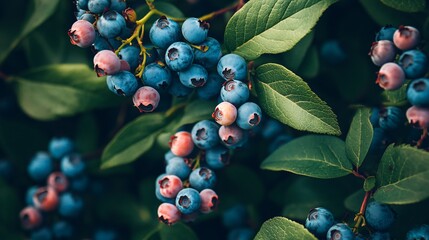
(193, 119)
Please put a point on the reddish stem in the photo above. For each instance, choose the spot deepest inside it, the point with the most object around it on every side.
(357, 174)
(422, 137)
(364, 202)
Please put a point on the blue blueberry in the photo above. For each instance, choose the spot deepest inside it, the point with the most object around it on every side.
(179, 56)
(385, 33)
(62, 230)
(217, 157)
(248, 115)
(205, 134)
(110, 24)
(60, 146)
(235, 92)
(319, 220)
(212, 87)
(379, 236)
(43, 233)
(194, 30)
(123, 83)
(332, 52)
(98, 6)
(79, 183)
(151, 54)
(375, 116)
(188, 200)
(179, 167)
(118, 5)
(232, 67)
(29, 195)
(391, 118)
(5, 169)
(418, 233)
(379, 139)
(156, 76)
(164, 32)
(41, 165)
(379, 216)
(271, 128)
(340, 231)
(209, 58)
(241, 234)
(177, 89)
(418, 92)
(70, 205)
(72, 165)
(235, 216)
(202, 178)
(105, 234)
(414, 63)
(79, 13)
(87, 17)
(168, 156)
(82, 4)
(193, 77)
(131, 54)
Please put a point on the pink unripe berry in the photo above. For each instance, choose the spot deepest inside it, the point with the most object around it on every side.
(46, 199)
(418, 117)
(181, 144)
(382, 52)
(209, 200)
(125, 66)
(30, 218)
(231, 135)
(225, 113)
(58, 181)
(82, 33)
(106, 63)
(170, 185)
(168, 213)
(146, 99)
(391, 76)
(406, 37)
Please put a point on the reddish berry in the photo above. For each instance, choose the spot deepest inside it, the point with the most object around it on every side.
(209, 200)
(82, 33)
(106, 63)
(382, 52)
(406, 37)
(181, 144)
(146, 99)
(169, 186)
(125, 66)
(391, 76)
(418, 117)
(30, 218)
(46, 198)
(58, 181)
(168, 213)
(225, 113)
(233, 136)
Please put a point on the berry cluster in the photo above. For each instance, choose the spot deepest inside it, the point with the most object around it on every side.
(396, 51)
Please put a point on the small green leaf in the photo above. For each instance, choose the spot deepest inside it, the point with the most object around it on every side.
(312, 155)
(197, 111)
(287, 98)
(272, 26)
(55, 91)
(403, 175)
(369, 183)
(133, 140)
(396, 97)
(283, 229)
(359, 137)
(406, 5)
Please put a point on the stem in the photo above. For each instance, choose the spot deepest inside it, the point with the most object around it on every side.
(359, 218)
(357, 174)
(237, 6)
(422, 137)
(364, 202)
(174, 109)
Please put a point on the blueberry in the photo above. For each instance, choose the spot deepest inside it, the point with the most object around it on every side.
(106, 63)
(110, 24)
(379, 216)
(30, 218)
(82, 4)
(156, 76)
(177, 89)
(158, 194)
(131, 54)
(98, 6)
(118, 5)
(241, 234)
(340, 231)
(235, 92)
(46, 199)
(225, 114)
(123, 83)
(391, 118)
(414, 63)
(193, 77)
(380, 236)
(235, 216)
(79, 183)
(375, 116)
(418, 233)
(209, 58)
(151, 54)
(248, 115)
(418, 117)
(5, 169)
(72, 165)
(209, 200)
(194, 30)
(43, 233)
(232, 67)
(319, 220)
(332, 52)
(188, 200)
(82, 33)
(105, 234)
(212, 87)
(40, 167)
(278, 141)
(87, 17)
(382, 52)
(168, 213)
(62, 230)
(168, 156)
(391, 76)
(169, 186)
(70, 205)
(202, 178)
(217, 157)
(181, 144)
(146, 99)
(58, 181)
(205, 134)
(418, 92)
(271, 128)
(233, 136)
(385, 33)
(164, 32)
(406, 37)
(60, 146)
(29, 195)
(378, 140)
(179, 167)
(179, 56)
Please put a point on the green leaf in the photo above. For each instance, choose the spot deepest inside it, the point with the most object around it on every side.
(283, 229)
(403, 175)
(369, 183)
(40, 11)
(354, 201)
(55, 91)
(310, 65)
(272, 26)
(196, 111)
(294, 58)
(406, 5)
(133, 140)
(312, 155)
(359, 137)
(287, 98)
(396, 97)
(178, 231)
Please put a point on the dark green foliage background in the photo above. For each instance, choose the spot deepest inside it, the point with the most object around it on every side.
(37, 61)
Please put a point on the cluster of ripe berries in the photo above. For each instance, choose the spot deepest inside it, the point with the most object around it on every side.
(380, 217)
(396, 51)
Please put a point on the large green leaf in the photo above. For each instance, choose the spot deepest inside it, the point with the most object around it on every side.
(287, 98)
(406, 5)
(272, 26)
(396, 97)
(39, 12)
(55, 91)
(311, 155)
(359, 137)
(403, 175)
(283, 229)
